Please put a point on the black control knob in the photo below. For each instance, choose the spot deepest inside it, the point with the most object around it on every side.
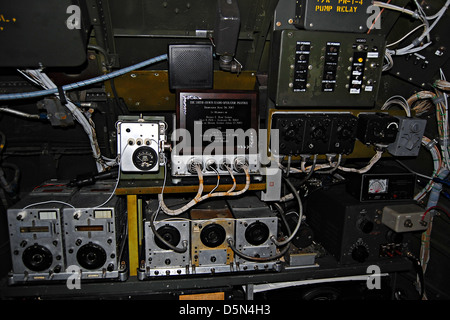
(37, 258)
(91, 256)
(365, 225)
(360, 253)
(408, 223)
(57, 269)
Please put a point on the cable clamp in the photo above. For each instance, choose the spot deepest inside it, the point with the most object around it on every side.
(438, 99)
(431, 144)
(62, 95)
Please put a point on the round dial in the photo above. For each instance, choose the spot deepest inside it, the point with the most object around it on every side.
(378, 186)
(365, 225)
(91, 256)
(359, 251)
(145, 158)
(37, 258)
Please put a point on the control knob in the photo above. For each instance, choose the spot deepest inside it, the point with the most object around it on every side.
(365, 225)
(360, 253)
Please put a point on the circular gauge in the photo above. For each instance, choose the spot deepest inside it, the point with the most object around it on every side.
(37, 258)
(170, 234)
(91, 256)
(378, 186)
(145, 158)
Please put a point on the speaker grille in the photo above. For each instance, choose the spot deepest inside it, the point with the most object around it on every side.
(190, 66)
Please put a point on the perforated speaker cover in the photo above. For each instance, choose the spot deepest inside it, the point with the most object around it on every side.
(190, 66)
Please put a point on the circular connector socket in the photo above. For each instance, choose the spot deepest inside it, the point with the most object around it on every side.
(224, 164)
(239, 164)
(210, 165)
(191, 165)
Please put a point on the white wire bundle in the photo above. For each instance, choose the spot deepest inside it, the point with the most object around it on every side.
(442, 85)
(394, 7)
(45, 82)
(42, 80)
(316, 167)
(438, 15)
(19, 113)
(190, 204)
(369, 166)
(439, 149)
(437, 167)
(397, 100)
(443, 110)
(332, 166)
(441, 164)
(390, 61)
(198, 197)
(440, 100)
(417, 45)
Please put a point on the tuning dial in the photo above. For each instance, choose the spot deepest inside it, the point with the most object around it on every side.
(360, 253)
